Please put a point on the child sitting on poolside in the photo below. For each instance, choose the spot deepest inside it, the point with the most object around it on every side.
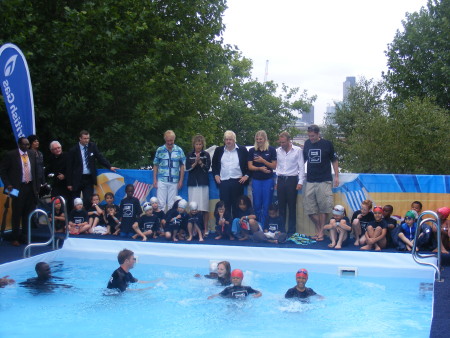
(160, 214)
(95, 214)
(272, 229)
(195, 222)
(223, 221)
(339, 227)
(407, 234)
(109, 201)
(360, 220)
(112, 222)
(245, 223)
(130, 210)
(147, 225)
(175, 219)
(78, 218)
(376, 232)
(60, 218)
(443, 214)
(237, 291)
(300, 291)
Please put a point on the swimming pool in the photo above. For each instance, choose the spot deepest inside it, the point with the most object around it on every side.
(177, 306)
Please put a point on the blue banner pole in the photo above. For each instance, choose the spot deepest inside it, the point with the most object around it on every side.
(17, 91)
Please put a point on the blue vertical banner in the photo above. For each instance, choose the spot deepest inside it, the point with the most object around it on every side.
(17, 92)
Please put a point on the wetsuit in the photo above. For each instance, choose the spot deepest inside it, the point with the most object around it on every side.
(120, 279)
(237, 292)
(295, 293)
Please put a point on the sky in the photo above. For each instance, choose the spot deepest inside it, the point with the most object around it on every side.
(315, 45)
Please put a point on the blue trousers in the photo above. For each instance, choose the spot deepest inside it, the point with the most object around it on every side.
(262, 191)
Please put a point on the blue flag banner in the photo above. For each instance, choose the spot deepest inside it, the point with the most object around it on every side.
(17, 92)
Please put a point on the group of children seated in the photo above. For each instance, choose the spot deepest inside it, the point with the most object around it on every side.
(245, 224)
(181, 222)
(375, 228)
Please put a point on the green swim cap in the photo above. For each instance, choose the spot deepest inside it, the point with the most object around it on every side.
(412, 214)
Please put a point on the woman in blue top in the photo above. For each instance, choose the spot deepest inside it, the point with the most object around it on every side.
(262, 160)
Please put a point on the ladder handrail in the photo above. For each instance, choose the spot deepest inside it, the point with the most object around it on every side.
(415, 254)
(27, 250)
(51, 227)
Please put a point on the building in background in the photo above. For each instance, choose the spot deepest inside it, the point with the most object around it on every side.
(349, 82)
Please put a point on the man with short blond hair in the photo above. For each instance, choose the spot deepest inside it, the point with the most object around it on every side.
(230, 170)
(290, 175)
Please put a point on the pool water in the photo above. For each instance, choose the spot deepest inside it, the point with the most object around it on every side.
(177, 306)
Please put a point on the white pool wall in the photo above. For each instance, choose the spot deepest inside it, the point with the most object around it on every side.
(266, 259)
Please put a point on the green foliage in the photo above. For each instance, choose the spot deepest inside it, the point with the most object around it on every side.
(129, 70)
(374, 134)
(419, 56)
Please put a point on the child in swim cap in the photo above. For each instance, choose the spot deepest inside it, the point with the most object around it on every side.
(237, 291)
(300, 291)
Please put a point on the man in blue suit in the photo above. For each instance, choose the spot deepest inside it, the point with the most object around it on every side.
(81, 168)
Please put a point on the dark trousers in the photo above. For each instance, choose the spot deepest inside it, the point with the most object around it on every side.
(229, 192)
(87, 188)
(287, 197)
(22, 206)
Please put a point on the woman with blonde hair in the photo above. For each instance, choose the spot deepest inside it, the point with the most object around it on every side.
(262, 160)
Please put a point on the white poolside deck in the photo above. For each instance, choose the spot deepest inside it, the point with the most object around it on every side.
(269, 259)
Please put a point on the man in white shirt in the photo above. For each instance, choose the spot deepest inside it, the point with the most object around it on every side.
(229, 167)
(290, 174)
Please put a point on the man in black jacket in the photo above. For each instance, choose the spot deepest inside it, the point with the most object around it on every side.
(19, 174)
(229, 167)
(81, 168)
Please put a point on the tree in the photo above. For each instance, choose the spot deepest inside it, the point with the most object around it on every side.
(248, 105)
(126, 70)
(129, 70)
(375, 134)
(419, 56)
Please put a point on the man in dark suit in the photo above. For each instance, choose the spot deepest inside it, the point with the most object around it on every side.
(18, 171)
(229, 167)
(81, 172)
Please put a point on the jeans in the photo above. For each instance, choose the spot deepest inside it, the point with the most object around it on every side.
(262, 191)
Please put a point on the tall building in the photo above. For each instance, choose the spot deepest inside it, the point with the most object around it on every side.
(329, 115)
(308, 116)
(349, 82)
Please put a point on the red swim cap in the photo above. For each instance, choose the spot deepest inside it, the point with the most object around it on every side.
(237, 273)
(56, 200)
(302, 273)
(379, 209)
(444, 211)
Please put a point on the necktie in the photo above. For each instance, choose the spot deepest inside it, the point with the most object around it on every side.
(26, 168)
(86, 156)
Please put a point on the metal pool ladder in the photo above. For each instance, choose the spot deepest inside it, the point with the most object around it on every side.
(416, 255)
(53, 240)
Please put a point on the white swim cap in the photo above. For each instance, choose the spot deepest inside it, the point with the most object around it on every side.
(193, 205)
(182, 204)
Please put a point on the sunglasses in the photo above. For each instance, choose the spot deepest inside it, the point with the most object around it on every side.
(408, 218)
